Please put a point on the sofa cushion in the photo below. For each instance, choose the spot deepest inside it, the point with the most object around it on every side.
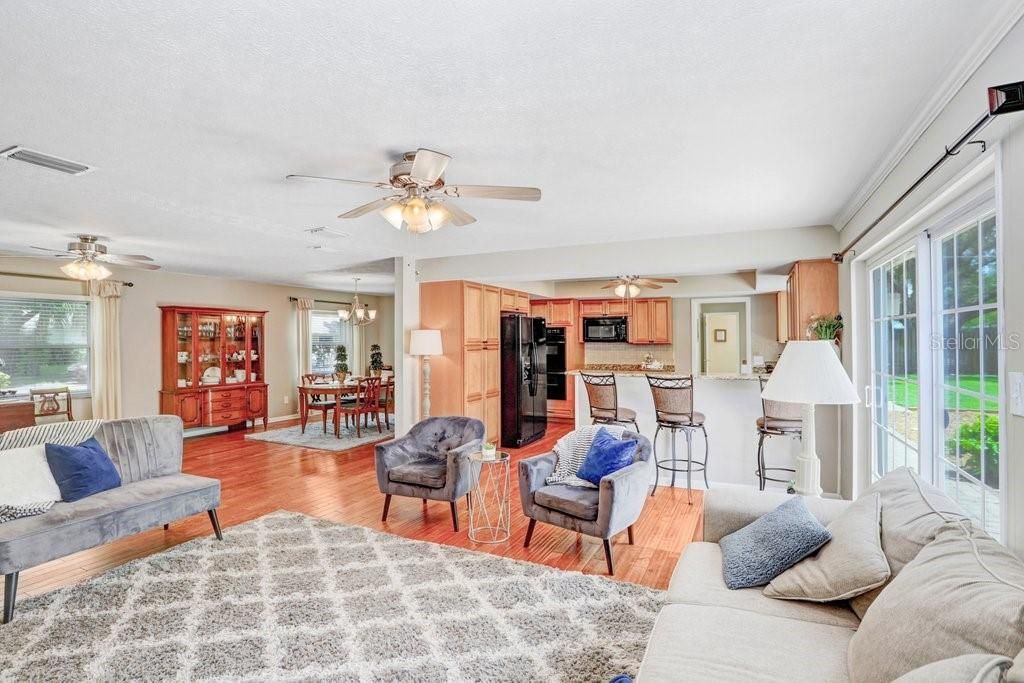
(428, 472)
(697, 580)
(572, 500)
(25, 477)
(850, 564)
(913, 511)
(607, 454)
(703, 643)
(92, 521)
(82, 470)
(962, 594)
(765, 548)
(973, 668)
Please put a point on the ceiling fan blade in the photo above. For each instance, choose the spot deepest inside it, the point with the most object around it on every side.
(670, 280)
(113, 258)
(459, 215)
(131, 257)
(526, 194)
(299, 176)
(375, 205)
(62, 252)
(611, 285)
(428, 166)
(652, 286)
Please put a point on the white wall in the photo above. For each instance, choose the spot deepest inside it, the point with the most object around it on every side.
(1005, 64)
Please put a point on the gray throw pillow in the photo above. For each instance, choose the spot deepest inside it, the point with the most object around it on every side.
(973, 668)
(771, 544)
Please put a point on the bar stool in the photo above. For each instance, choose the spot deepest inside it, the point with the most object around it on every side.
(673, 409)
(778, 419)
(604, 400)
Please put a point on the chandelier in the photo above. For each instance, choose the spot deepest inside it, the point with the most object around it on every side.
(359, 314)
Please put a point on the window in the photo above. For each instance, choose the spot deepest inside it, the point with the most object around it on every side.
(44, 341)
(935, 395)
(327, 332)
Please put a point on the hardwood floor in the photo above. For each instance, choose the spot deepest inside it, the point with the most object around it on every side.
(259, 477)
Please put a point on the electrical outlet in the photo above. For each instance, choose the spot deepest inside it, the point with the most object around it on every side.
(1017, 393)
(287, 398)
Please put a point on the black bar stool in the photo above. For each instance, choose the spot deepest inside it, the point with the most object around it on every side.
(673, 409)
(778, 419)
(604, 400)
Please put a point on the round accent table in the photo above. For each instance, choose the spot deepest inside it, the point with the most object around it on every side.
(489, 509)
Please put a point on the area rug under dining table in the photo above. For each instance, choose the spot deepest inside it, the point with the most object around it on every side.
(290, 597)
(316, 437)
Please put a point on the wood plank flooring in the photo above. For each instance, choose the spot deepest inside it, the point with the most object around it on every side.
(259, 477)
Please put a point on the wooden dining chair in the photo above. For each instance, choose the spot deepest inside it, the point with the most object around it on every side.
(50, 401)
(367, 401)
(324, 403)
(387, 398)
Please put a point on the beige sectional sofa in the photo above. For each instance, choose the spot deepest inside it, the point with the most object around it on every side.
(965, 595)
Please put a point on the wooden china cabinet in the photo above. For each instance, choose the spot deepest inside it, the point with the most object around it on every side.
(214, 373)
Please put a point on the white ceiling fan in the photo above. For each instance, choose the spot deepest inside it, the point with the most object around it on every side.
(89, 255)
(629, 286)
(423, 199)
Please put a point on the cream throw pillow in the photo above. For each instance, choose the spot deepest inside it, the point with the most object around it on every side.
(850, 564)
(972, 668)
(25, 477)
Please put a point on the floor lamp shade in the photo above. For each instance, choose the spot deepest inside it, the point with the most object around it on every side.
(809, 373)
(425, 343)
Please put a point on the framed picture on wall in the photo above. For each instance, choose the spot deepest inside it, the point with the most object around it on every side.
(720, 335)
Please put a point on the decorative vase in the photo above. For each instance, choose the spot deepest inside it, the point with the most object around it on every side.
(341, 376)
(375, 372)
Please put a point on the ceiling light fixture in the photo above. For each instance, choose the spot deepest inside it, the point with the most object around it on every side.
(359, 314)
(85, 268)
(416, 214)
(625, 291)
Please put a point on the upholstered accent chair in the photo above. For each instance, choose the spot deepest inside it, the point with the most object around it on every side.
(613, 507)
(431, 462)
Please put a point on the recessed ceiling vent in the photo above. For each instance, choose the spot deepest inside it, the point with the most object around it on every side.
(45, 160)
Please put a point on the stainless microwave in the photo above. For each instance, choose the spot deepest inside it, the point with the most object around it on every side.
(605, 330)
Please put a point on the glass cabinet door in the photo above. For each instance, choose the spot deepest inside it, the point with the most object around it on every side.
(209, 348)
(234, 349)
(255, 349)
(185, 362)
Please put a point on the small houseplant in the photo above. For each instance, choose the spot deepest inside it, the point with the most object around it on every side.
(825, 327)
(341, 362)
(376, 360)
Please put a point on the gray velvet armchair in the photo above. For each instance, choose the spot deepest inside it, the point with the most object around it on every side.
(603, 512)
(431, 462)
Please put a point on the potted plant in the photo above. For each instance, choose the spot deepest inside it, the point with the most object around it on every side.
(376, 360)
(825, 327)
(341, 362)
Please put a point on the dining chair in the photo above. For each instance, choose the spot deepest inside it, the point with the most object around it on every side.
(387, 398)
(367, 401)
(324, 403)
(50, 401)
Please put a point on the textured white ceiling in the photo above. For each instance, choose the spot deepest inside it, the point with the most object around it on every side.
(638, 120)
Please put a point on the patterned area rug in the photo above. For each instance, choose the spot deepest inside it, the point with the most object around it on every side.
(316, 437)
(291, 597)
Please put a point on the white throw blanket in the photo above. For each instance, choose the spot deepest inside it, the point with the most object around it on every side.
(571, 450)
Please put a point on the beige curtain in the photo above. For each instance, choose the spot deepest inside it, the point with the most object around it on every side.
(106, 349)
(303, 323)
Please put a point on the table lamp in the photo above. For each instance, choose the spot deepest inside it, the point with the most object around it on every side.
(425, 343)
(809, 373)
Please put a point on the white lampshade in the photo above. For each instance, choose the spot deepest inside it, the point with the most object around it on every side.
(425, 343)
(810, 372)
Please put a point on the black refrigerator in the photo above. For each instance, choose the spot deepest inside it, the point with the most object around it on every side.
(524, 393)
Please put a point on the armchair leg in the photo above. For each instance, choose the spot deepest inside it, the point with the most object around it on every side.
(629, 533)
(387, 505)
(608, 556)
(216, 523)
(529, 533)
(455, 515)
(10, 592)
(166, 527)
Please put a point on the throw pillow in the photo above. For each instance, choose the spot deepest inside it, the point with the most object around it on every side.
(27, 486)
(771, 544)
(81, 470)
(570, 452)
(962, 594)
(851, 564)
(607, 454)
(974, 668)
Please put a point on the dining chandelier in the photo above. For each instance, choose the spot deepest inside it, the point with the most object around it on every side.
(359, 314)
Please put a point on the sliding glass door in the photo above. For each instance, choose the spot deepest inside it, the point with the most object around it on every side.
(935, 397)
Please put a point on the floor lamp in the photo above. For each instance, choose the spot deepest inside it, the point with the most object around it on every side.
(425, 343)
(809, 373)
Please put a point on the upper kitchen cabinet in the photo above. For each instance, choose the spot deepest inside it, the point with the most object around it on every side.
(514, 301)
(481, 313)
(812, 289)
(651, 321)
(556, 312)
(598, 308)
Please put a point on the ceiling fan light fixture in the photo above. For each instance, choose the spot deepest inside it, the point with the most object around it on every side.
(393, 214)
(626, 291)
(85, 269)
(438, 215)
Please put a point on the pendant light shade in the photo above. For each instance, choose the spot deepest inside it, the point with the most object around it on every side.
(85, 269)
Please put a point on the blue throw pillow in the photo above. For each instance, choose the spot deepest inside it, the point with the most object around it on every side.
(771, 544)
(606, 455)
(81, 470)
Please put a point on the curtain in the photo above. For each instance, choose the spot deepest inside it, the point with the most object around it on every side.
(303, 308)
(105, 367)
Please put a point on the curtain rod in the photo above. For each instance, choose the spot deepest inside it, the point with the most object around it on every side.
(57, 277)
(323, 301)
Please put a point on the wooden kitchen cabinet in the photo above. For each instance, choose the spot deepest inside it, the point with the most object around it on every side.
(541, 309)
(812, 289)
(651, 321)
(492, 315)
(590, 308)
(514, 301)
(556, 312)
(782, 316)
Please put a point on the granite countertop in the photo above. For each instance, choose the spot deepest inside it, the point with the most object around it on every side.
(639, 371)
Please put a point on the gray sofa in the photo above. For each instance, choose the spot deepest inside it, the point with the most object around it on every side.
(147, 454)
(946, 604)
(603, 512)
(431, 462)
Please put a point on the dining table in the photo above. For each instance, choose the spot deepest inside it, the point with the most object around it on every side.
(338, 390)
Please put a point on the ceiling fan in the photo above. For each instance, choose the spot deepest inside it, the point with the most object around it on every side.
(629, 286)
(422, 201)
(89, 256)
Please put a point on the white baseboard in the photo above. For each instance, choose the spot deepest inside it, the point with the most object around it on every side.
(282, 418)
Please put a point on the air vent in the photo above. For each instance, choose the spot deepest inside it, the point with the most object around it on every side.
(45, 160)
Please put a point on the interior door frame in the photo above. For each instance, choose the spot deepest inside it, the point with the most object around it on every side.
(695, 366)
